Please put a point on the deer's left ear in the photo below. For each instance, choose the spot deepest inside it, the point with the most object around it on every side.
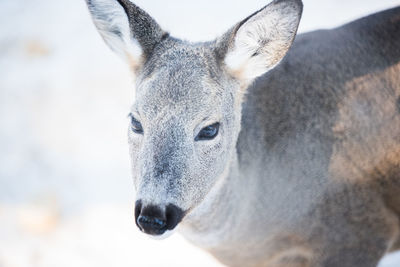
(127, 30)
(258, 43)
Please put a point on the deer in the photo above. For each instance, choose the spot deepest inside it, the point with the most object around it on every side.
(262, 147)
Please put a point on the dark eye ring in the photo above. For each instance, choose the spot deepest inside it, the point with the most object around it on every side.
(136, 125)
(208, 133)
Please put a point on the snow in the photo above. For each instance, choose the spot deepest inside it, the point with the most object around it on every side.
(65, 187)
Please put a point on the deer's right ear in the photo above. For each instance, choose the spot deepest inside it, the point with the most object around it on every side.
(128, 30)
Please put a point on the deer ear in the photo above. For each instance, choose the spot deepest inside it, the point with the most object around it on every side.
(258, 43)
(127, 30)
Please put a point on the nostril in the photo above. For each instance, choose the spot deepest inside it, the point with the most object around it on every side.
(151, 223)
(174, 216)
(154, 220)
(150, 219)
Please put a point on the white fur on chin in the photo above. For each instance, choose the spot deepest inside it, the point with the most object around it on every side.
(165, 235)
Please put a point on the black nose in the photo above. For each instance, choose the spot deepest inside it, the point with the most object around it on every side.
(153, 220)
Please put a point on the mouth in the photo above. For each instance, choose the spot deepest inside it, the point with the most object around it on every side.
(164, 235)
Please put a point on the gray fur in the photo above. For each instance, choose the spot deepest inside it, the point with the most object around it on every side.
(143, 27)
(305, 170)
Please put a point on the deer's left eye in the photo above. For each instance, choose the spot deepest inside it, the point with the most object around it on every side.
(136, 125)
(208, 133)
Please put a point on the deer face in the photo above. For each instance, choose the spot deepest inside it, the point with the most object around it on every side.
(185, 121)
(183, 128)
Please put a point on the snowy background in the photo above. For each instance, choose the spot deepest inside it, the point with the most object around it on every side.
(66, 197)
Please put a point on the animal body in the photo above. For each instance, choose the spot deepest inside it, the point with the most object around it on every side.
(264, 159)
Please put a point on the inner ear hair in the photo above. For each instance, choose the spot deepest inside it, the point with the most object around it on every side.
(259, 42)
(127, 29)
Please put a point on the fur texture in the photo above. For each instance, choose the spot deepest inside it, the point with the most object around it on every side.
(305, 169)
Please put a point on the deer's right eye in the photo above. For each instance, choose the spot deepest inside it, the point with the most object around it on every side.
(136, 125)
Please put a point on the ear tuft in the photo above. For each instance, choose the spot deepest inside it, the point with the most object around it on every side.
(261, 41)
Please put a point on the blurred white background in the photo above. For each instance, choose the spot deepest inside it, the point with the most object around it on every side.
(66, 197)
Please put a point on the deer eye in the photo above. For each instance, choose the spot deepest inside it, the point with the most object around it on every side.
(136, 125)
(208, 133)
